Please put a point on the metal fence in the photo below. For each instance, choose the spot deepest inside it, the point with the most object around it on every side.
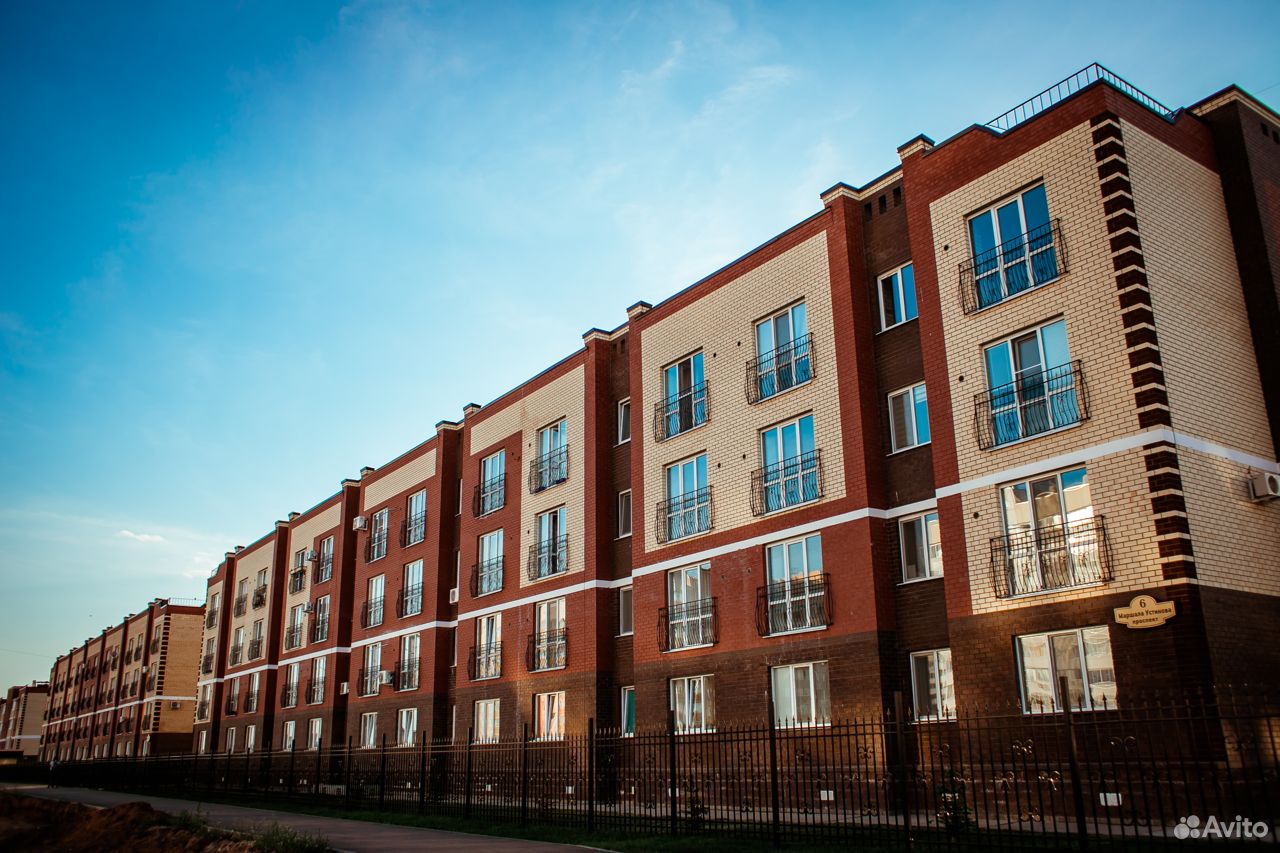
(1147, 775)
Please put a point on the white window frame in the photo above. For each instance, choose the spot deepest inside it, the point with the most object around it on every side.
(896, 275)
(231, 739)
(320, 616)
(697, 623)
(378, 535)
(549, 715)
(410, 714)
(684, 713)
(413, 570)
(493, 482)
(315, 733)
(369, 730)
(627, 699)
(490, 562)
(933, 567)
(896, 443)
(378, 582)
(486, 720)
(798, 359)
(944, 685)
(624, 406)
(289, 734)
(626, 605)
(624, 514)
(1088, 703)
(250, 738)
(814, 716)
(411, 649)
(326, 566)
(415, 521)
(796, 594)
(789, 476)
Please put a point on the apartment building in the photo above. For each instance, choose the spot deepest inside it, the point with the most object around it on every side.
(128, 691)
(1005, 413)
(22, 712)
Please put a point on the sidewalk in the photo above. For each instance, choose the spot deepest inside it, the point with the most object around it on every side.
(353, 835)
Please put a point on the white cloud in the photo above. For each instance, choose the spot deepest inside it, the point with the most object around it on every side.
(140, 537)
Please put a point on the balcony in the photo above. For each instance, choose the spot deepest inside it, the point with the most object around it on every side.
(369, 682)
(232, 705)
(260, 598)
(1032, 404)
(251, 702)
(206, 663)
(155, 646)
(297, 580)
(409, 601)
(1048, 558)
(684, 626)
(548, 650)
(780, 370)
(202, 710)
(799, 604)
(236, 653)
(680, 412)
(324, 568)
(375, 547)
(371, 613)
(548, 558)
(407, 674)
(684, 515)
(320, 630)
(210, 619)
(413, 530)
(293, 636)
(788, 483)
(255, 648)
(288, 695)
(152, 680)
(490, 496)
(485, 661)
(315, 690)
(240, 607)
(1017, 265)
(549, 469)
(486, 577)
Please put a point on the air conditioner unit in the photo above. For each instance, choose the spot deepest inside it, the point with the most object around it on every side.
(1264, 486)
(453, 595)
(344, 688)
(308, 607)
(310, 556)
(359, 523)
(175, 705)
(385, 676)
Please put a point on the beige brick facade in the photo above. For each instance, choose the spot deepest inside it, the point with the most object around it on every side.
(405, 477)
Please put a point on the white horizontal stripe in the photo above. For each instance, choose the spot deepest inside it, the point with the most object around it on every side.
(120, 707)
(263, 668)
(400, 632)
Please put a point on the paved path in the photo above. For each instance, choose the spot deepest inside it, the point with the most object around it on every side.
(354, 835)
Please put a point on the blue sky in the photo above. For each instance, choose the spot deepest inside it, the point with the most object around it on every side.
(247, 248)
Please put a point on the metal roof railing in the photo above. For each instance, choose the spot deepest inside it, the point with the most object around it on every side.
(1064, 89)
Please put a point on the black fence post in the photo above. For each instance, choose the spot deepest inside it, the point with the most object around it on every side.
(775, 806)
(226, 776)
(671, 764)
(315, 786)
(1073, 757)
(346, 786)
(900, 736)
(422, 772)
(293, 760)
(382, 775)
(466, 793)
(591, 774)
(524, 775)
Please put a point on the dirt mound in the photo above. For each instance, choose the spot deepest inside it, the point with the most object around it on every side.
(36, 825)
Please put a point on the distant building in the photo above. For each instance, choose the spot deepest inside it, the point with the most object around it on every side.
(22, 712)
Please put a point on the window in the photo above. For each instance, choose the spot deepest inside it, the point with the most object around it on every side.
(921, 547)
(415, 522)
(377, 547)
(782, 352)
(551, 550)
(237, 647)
(315, 732)
(262, 579)
(624, 514)
(251, 700)
(897, 297)
(1004, 239)
(289, 695)
(488, 646)
(324, 566)
(932, 686)
(204, 741)
(231, 739)
(552, 465)
(1083, 656)
(1031, 385)
(550, 640)
(801, 695)
(255, 644)
(1052, 539)
(369, 730)
(289, 734)
(790, 473)
(487, 721)
(693, 700)
(624, 421)
(373, 602)
(489, 559)
(548, 716)
(625, 619)
(493, 483)
(909, 418)
(320, 620)
(690, 609)
(250, 737)
(407, 726)
(687, 509)
(627, 716)
(407, 668)
(411, 592)
(796, 597)
(315, 690)
(294, 635)
(370, 679)
(684, 403)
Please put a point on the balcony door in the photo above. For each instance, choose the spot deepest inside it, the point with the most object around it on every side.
(1013, 247)
(688, 505)
(782, 351)
(1051, 540)
(689, 613)
(684, 395)
(790, 465)
(796, 594)
(1031, 383)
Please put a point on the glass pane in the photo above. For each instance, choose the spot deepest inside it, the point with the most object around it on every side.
(708, 701)
(922, 679)
(1075, 494)
(764, 338)
(921, 414)
(821, 693)
(1102, 674)
(790, 442)
(1066, 661)
(776, 563)
(804, 695)
(982, 234)
(769, 445)
(892, 314)
(799, 321)
(1048, 507)
(908, 292)
(783, 701)
(1054, 338)
(1036, 208)
(1016, 501)
(1010, 220)
(1037, 678)
(912, 565)
(806, 434)
(933, 540)
(946, 684)
(696, 368)
(899, 420)
(795, 560)
(813, 554)
(782, 329)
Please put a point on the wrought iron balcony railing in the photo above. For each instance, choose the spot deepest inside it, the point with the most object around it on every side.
(683, 626)
(240, 607)
(293, 636)
(793, 605)
(371, 613)
(788, 483)
(375, 547)
(288, 695)
(549, 469)
(1016, 265)
(684, 515)
(409, 601)
(680, 412)
(490, 496)
(315, 690)
(211, 618)
(260, 597)
(369, 682)
(206, 663)
(1048, 558)
(485, 661)
(407, 674)
(202, 710)
(486, 577)
(320, 630)
(255, 648)
(236, 653)
(413, 530)
(297, 580)
(324, 569)
(780, 369)
(548, 558)
(548, 650)
(1032, 404)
